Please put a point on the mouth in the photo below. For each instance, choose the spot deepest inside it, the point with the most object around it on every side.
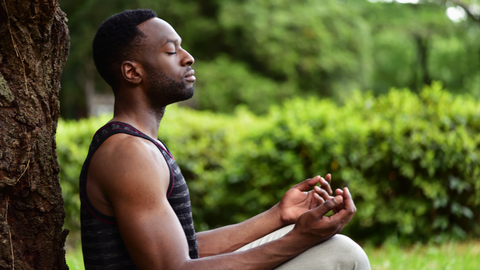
(189, 76)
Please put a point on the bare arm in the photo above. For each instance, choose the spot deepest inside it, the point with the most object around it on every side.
(312, 228)
(295, 202)
(134, 184)
(232, 237)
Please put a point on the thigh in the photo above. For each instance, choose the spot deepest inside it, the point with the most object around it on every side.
(337, 253)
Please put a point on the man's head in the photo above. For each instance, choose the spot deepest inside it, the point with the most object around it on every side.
(118, 39)
(137, 48)
(167, 70)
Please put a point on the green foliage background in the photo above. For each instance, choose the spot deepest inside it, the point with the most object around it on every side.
(262, 52)
(410, 157)
(410, 160)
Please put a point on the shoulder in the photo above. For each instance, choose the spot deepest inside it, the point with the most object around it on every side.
(128, 166)
(127, 144)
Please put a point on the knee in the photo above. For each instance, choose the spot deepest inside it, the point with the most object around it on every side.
(348, 253)
(337, 253)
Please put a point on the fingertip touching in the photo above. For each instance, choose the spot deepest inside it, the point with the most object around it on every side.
(338, 199)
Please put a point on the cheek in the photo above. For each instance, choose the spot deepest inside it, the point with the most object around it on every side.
(169, 68)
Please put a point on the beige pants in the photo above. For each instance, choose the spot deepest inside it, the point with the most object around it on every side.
(338, 253)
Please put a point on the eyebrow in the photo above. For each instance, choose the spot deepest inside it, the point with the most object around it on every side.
(174, 41)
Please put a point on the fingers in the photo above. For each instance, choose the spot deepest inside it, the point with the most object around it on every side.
(348, 201)
(315, 223)
(328, 177)
(307, 184)
(337, 209)
(322, 193)
(347, 209)
(318, 201)
(325, 183)
(323, 209)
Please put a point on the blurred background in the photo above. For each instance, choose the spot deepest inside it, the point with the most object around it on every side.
(259, 53)
(385, 95)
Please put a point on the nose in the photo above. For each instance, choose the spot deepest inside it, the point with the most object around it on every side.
(187, 59)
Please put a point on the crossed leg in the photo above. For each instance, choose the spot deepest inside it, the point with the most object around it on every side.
(337, 253)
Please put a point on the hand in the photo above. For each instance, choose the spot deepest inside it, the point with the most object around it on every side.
(316, 227)
(297, 200)
(341, 206)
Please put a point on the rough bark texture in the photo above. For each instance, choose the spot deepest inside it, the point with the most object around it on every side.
(34, 46)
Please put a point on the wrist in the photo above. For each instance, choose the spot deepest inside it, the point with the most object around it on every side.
(276, 213)
(302, 239)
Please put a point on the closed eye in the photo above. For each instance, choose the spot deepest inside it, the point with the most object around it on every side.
(171, 53)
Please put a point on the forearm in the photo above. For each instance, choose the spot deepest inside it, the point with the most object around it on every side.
(295, 202)
(233, 237)
(266, 256)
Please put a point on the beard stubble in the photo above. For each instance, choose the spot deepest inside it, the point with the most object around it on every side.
(164, 90)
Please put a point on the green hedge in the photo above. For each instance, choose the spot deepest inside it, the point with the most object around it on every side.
(73, 140)
(411, 161)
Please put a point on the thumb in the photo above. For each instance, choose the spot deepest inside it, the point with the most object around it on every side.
(323, 209)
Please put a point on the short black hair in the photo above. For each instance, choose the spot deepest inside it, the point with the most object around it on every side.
(115, 41)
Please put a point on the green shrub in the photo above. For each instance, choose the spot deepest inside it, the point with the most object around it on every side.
(411, 161)
(73, 140)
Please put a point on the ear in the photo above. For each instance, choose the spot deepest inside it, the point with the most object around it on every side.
(132, 72)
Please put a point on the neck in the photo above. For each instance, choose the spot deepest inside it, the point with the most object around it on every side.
(144, 118)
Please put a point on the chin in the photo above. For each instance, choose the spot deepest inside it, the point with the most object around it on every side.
(189, 93)
(186, 94)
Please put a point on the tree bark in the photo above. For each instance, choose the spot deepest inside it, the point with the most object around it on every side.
(34, 46)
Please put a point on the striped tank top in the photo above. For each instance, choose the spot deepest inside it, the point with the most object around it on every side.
(102, 244)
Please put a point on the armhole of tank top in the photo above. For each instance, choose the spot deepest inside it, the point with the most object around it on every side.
(131, 130)
(93, 211)
(171, 181)
(135, 132)
(166, 149)
(83, 194)
(83, 188)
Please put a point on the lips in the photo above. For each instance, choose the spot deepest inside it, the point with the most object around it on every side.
(189, 76)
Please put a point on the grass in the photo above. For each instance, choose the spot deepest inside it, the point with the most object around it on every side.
(75, 258)
(449, 256)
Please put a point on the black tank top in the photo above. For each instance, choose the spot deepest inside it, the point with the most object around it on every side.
(102, 244)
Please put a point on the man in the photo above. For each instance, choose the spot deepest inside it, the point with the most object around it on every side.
(135, 203)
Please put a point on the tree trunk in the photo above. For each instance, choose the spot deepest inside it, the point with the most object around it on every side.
(34, 46)
(422, 54)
